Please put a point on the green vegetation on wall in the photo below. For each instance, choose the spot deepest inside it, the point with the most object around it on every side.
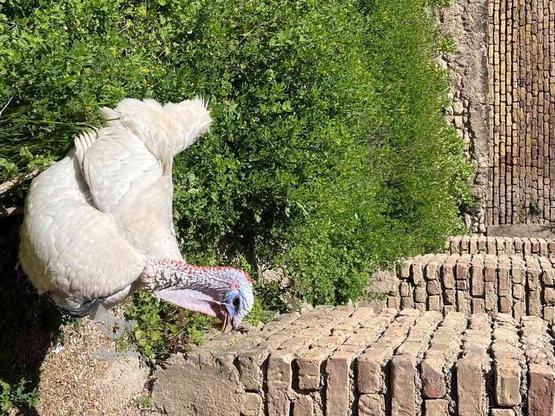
(328, 154)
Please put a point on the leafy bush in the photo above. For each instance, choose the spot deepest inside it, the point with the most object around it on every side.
(18, 395)
(402, 197)
(162, 328)
(328, 154)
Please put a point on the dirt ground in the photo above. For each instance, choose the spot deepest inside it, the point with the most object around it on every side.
(84, 374)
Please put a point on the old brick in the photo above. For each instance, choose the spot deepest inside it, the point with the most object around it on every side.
(433, 379)
(502, 412)
(309, 363)
(454, 245)
(482, 245)
(517, 271)
(465, 240)
(437, 407)
(471, 367)
(371, 362)
(338, 366)
(518, 245)
(549, 314)
(518, 291)
(279, 379)
(449, 297)
(477, 276)
(490, 268)
(519, 309)
(303, 406)
(279, 367)
(504, 281)
(535, 245)
(461, 268)
(463, 301)
(543, 246)
(444, 348)
(338, 386)
(404, 272)
(461, 285)
(491, 246)
(507, 382)
(534, 303)
(419, 268)
(251, 357)
(420, 294)
(433, 287)
(549, 295)
(393, 302)
(505, 304)
(490, 296)
(478, 305)
(473, 245)
(549, 276)
(500, 241)
(406, 289)
(371, 405)
(404, 365)
(434, 303)
(252, 405)
(448, 271)
(433, 269)
(541, 364)
(541, 390)
(403, 386)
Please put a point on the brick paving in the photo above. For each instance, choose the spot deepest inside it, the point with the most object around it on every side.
(342, 361)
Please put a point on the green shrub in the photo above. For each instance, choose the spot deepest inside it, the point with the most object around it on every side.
(16, 395)
(162, 328)
(328, 154)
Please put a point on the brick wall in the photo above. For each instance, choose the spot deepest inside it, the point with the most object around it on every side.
(341, 361)
(477, 283)
(501, 245)
(476, 274)
(521, 57)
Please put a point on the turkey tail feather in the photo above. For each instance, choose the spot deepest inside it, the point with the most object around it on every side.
(165, 130)
(83, 142)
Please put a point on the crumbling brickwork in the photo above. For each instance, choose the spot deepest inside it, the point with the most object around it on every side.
(521, 62)
(343, 361)
(478, 274)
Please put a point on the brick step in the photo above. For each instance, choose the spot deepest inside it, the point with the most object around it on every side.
(500, 245)
(342, 361)
(475, 283)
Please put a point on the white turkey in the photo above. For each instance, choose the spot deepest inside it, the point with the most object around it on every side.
(98, 224)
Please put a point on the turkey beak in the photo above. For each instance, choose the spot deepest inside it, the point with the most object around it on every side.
(227, 318)
(226, 324)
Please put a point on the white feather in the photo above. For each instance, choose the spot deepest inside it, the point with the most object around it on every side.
(93, 219)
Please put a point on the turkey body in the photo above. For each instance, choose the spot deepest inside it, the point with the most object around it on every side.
(94, 219)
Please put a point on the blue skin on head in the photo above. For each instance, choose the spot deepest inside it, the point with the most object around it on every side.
(238, 303)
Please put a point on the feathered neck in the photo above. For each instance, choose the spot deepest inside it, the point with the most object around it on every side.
(168, 273)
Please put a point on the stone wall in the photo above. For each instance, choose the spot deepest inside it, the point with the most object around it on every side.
(464, 22)
(521, 56)
(342, 361)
